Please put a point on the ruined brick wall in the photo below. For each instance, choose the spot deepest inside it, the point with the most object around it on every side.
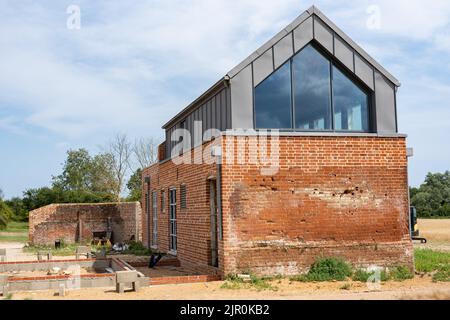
(332, 196)
(61, 221)
(193, 223)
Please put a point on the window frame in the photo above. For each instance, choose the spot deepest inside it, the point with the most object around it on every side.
(154, 239)
(338, 64)
(173, 221)
(163, 201)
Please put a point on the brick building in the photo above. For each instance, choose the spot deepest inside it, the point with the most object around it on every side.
(83, 222)
(294, 154)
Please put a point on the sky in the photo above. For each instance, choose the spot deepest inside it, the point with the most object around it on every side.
(131, 66)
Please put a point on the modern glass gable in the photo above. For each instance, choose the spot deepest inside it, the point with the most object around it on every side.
(273, 100)
(309, 93)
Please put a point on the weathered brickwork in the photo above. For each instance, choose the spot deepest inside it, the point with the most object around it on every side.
(62, 221)
(331, 196)
(193, 223)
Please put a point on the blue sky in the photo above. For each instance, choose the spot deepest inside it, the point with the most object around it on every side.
(132, 65)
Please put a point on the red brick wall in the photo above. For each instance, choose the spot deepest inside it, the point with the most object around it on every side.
(60, 221)
(193, 223)
(333, 196)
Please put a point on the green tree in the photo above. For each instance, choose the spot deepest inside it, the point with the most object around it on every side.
(432, 198)
(134, 186)
(20, 212)
(36, 198)
(82, 172)
(5, 214)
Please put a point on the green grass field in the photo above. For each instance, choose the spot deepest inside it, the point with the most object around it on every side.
(15, 232)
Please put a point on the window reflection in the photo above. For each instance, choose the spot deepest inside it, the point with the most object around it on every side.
(350, 104)
(312, 92)
(273, 100)
(318, 87)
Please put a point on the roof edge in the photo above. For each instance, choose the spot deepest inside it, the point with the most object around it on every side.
(313, 11)
(222, 83)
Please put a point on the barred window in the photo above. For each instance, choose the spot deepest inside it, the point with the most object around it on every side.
(183, 196)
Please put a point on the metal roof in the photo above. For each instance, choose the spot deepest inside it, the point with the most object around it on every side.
(280, 35)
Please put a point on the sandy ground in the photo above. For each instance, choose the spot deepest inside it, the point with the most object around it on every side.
(419, 288)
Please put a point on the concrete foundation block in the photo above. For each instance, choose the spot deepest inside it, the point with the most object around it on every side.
(120, 287)
(62, 290)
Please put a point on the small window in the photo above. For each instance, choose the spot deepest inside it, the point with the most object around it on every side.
(183, 202)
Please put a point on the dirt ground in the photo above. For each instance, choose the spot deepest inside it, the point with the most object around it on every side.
(419, 288)
(437, 233)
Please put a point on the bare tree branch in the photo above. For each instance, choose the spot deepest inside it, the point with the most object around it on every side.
(120, 150)
(145, 152)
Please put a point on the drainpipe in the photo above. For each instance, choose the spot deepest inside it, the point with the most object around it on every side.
(217, 152)
(147, 209)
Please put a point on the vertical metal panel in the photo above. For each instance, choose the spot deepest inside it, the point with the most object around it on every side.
(303, 34)
(208, 114)
(223, 110)
(385, 105)
(283, 50)
(364, 71)
(204, 117)
(229, 124)
(343, 52)
(242, 99)
(213, 112)
(262, 67)
(323, 34)
(218, 106)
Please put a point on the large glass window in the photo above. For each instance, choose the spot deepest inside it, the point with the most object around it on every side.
(312, 90)
(273, 100)
(350, 104)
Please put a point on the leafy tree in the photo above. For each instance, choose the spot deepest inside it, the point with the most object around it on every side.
(82, 172)
(134, 186)
(20, 212)
(432, 198)
(36, 198)
(5, 214)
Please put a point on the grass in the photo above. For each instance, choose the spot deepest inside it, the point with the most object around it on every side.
(436, 262)
(65, 250)
(15, 232)
(400, 273)
(14, 226)
(427, 260)
(234, 282)
(326, 269)
(137, 248)
(362, 275)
